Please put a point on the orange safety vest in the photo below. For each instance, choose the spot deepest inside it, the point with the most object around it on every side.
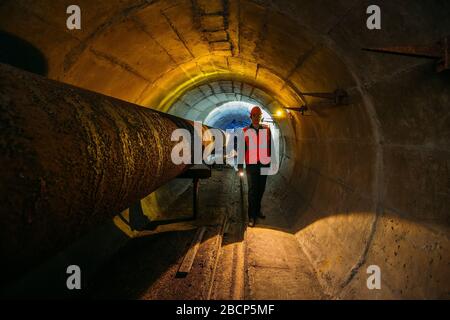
(257, 145)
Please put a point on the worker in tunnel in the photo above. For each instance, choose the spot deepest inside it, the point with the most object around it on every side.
(257, 145)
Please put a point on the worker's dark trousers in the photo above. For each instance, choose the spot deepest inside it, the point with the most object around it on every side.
(256, 186)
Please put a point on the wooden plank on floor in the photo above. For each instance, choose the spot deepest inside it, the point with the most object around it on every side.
(189, 258)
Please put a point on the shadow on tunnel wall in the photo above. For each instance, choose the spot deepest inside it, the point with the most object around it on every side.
(21, 54)
(118, 260)
(112, 266)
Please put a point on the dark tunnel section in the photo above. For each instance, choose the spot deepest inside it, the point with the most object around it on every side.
(21, 54)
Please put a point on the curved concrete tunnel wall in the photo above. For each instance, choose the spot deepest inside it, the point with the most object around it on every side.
(372, 175)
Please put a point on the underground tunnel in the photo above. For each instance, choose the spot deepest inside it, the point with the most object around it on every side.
(364, 157)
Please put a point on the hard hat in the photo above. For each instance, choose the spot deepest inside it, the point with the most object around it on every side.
(255, 110)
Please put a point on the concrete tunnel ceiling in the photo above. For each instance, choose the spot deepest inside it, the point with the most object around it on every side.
(234, 115)
(212, 97)
(371, 175)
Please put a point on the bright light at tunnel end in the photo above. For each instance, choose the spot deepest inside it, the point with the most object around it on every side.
(263, 146)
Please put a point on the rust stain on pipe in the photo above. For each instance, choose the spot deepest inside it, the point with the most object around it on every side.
(70, 159)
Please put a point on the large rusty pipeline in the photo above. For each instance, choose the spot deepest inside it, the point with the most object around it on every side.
(70, 159)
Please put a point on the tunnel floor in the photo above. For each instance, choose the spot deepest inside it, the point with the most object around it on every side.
(232, 262)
